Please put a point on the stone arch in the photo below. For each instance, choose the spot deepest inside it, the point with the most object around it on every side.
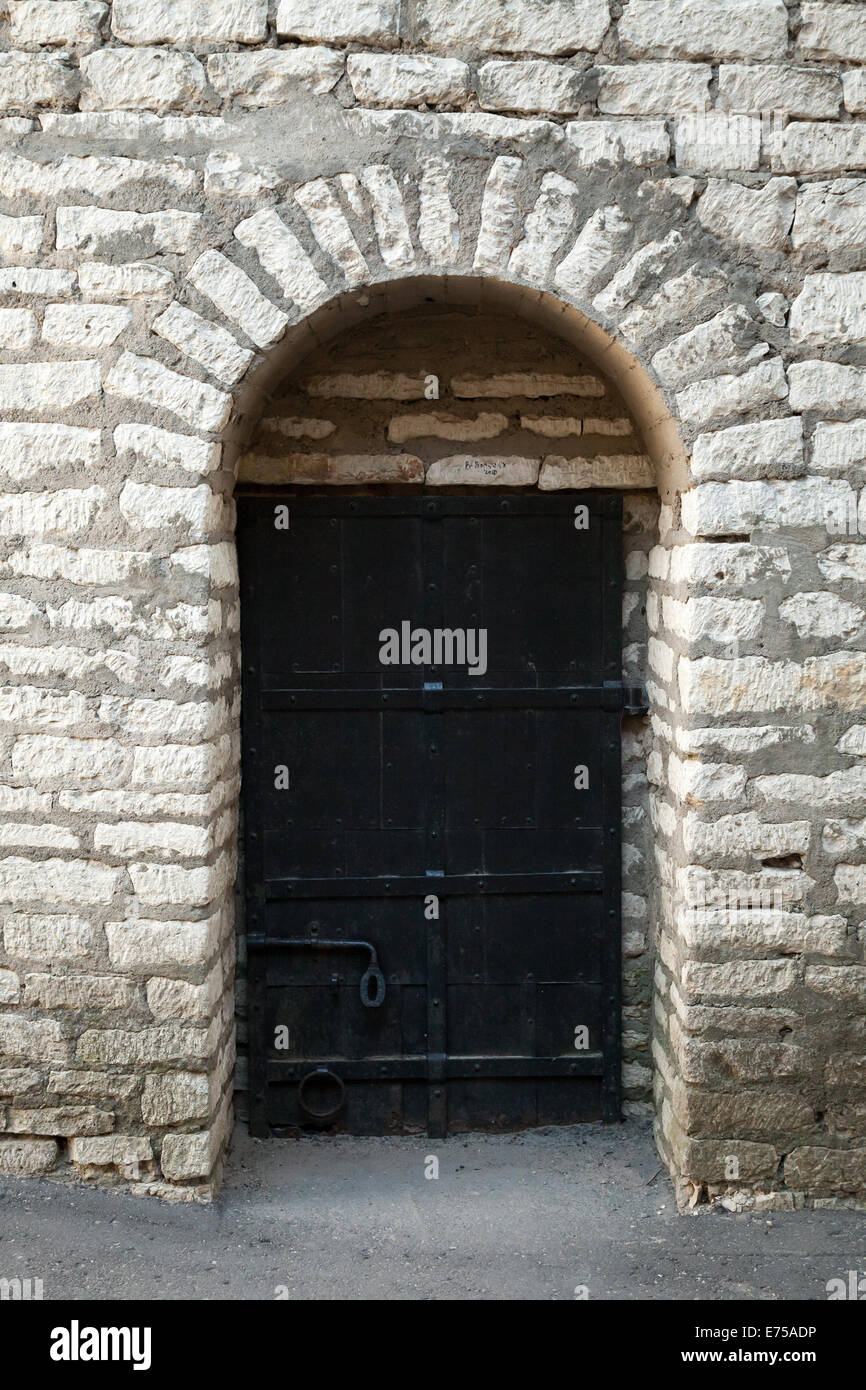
(552, 240)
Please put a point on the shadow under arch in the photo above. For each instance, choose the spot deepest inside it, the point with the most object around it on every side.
(656, 425)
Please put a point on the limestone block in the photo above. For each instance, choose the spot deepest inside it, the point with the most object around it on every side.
(594, 250)
(755, 216)
(653, 89)
(22, 236)
(205, 342)
(172, 838)
(726, 508)
(331, 229)
(830, 310)
(466, 469)
(699, 782)
(545, 229)
(10, 987)
(767, 449)
(343, 21)
(603, 470)
(831, 1170)
(56, 23)
(145, 945)
(189, 21)
(190, 1155)
(822, 615)
(336, 469)
(847, 982)
(854, 90)
(646, 264)
(66, 1120)
(716, 142)
(151, 446)
(705, 29)
(168, 885)
(850, 880)
(389, 217)
(498, 229)
(180, 766)
(274, 75)
(531, 85)
(738, 979)
(779, 87)
(282, 256)
(807, 147)
(113, 1151)
(19, 329)
(383, 79)
(88, 327)
(38, 936)
(722, 620)
(713, 686)
(95, 992)
(438, 220)
(40, 387)
(101, 231)
(619, 142)
(513, 26)
(181, 1000)
(726, 395)
(27, 1157)
(135, 280)
(118, 79)
(166, 1043)
(843, 562)
(528, 384)
(831, 215)
(35, 79)
(174, 1097)
(725, 341)
(145, 379)
(745, 833)
(826, 386)
(832, 31)
(486, 425)
(235, 295)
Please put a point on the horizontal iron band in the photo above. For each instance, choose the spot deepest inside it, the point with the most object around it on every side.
(455, 1068)
(608, 698)
(443, 885)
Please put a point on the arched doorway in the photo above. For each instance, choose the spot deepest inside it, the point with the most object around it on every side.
(450, 451)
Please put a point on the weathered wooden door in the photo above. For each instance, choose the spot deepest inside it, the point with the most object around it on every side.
(431, 732)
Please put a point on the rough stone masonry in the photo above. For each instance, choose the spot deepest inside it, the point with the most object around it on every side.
(209, 209)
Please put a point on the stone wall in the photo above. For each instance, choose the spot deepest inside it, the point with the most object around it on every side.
(194, 197)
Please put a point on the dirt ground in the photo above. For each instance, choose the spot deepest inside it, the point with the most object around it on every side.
(544, 1215)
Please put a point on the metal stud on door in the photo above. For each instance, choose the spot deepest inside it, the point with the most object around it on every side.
(431, 727)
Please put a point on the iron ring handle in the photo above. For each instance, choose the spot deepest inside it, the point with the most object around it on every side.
(372, 975)
(318, 1074)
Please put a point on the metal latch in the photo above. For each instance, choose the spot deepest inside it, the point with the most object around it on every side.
(372, 986)
(634, 700)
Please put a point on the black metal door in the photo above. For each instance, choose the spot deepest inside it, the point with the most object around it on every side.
(432, 816)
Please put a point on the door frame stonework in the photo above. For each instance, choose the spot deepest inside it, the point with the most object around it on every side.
(540, 243)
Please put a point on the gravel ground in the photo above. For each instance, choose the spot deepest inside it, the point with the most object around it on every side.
(533, 1216)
